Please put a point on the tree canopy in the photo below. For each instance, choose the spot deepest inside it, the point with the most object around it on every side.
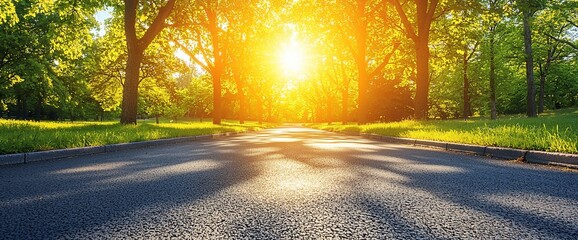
(280, 60)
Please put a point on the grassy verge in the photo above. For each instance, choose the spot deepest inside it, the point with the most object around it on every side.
(555, 131)
(26, 136)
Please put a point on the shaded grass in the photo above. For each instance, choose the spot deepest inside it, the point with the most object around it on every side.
(26, 136)
(555, 131)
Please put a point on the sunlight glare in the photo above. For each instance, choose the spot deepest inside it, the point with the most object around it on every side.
(180, 54)
(292, 58)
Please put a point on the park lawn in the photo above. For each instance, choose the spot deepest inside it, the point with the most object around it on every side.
(18, 136)
(554, 131)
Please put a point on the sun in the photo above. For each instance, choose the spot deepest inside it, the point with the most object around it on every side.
(292, 58)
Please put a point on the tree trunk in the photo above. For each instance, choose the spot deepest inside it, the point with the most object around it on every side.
(344, 107)
(543, 75)
(260, 109)
(542, 86)
(130, 87)
(422, 81)
(242, 98)
(531, 86)
(37, 108)
(425, 10)
(270, 111)
(360, 61)
(362, 80)
(362, 98)
(541, 97)
(217, 99)
(494, 114)
(25, 113)
(157, 118)
(242, 108)
(136, 48)
(467, 106)
(331, 108)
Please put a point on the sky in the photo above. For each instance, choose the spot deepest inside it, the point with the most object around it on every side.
(101, 17)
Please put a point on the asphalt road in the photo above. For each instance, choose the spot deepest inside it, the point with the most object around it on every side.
(286, 183)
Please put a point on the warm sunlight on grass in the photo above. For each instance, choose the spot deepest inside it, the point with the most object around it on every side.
(25, 136)
(554, 131)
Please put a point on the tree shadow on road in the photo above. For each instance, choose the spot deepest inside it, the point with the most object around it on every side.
(279, 171)
(517, 195)
(54, 199)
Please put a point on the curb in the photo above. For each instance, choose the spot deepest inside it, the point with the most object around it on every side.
(539, 157)
(398, 140)
(467, 148)
(12, 158)
(62, 153)
(428, 143)
(505, 153)
(22, 158)
(551, 158)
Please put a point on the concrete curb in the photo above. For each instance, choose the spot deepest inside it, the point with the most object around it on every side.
(20, 158)
(427, 143)
(397, 140)
(63, 153)
(12, 158)
(467, 148)
(551, 158)
(505, 153)
(540, 157)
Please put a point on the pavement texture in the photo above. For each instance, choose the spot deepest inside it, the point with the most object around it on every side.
(288, 182)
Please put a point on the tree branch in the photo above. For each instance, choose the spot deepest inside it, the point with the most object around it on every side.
(431, 9)
(385, 61)
(157, 25)
(473, 51)
(192, 56)
(409, 30)
(130, 22)
(572, 45)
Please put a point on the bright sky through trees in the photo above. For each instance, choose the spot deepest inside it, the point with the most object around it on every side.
(101, 16)
(292, 58)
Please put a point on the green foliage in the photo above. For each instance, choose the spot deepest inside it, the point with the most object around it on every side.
(41, 68)
(8, 13)
(53, 66)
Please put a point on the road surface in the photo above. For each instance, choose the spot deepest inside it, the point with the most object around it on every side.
(288, 182)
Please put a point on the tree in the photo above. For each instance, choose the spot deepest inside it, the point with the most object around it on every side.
(108, 60)
(356, 32)
(243, 18)
(41, 55)
(528, 9)
(491, 18)
(136, 47)
(424, 16)
(205, 25)
(531, 95)
(465, 27)
(553, 24)
(8, 13)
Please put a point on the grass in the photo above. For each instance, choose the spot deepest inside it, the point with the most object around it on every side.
(26, 136)
(554, 131)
